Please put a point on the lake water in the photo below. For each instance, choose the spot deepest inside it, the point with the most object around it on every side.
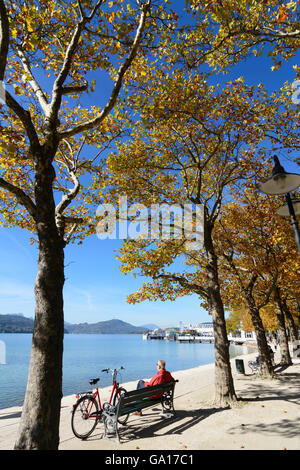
(86, 355)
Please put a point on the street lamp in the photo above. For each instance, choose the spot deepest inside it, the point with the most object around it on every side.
(283, 211)
(282, 183)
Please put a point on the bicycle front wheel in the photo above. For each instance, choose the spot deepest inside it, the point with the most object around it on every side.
(122, 419)
(85, 416)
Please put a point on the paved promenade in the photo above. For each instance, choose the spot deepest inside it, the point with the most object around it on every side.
(267, 418)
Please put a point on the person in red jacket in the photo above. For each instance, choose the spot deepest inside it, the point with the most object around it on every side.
(161, 377)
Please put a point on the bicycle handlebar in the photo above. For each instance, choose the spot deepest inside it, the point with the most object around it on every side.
(112, 370)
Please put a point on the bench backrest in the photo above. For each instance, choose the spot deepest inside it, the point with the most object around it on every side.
(128, 399)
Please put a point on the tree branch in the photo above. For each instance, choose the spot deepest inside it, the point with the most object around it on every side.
(68, 237)
(23, 115)
(4, 38)
(75, 220)
(21, 196)
(67, 199)
(145, 8)
(57, 91)
(25, 118)
(184, 283)
(32, 81)
(74, 88)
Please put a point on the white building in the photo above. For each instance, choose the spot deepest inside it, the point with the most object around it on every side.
(241, 336)
(206, 330)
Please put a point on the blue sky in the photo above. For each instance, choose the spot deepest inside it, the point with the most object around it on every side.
(95, 289)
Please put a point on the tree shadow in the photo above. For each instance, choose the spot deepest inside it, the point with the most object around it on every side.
(16, 414)
(152, 423)
(286, 428)
(285, 387)
(278, 368)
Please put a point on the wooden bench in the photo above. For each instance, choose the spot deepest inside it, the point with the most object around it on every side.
(137, 400)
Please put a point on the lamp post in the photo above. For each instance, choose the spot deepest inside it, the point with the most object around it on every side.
(283, 183)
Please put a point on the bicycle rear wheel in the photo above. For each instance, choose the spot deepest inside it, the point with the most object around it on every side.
(122, 419)
(85, 416)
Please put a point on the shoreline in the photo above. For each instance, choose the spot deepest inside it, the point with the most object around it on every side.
(248, 347)
(266, 418)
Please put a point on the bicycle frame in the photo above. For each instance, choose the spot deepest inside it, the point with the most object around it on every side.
(96, 396)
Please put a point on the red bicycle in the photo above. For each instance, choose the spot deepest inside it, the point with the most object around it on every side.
(87, 411)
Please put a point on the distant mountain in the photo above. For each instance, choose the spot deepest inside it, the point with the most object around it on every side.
(105, 327)
(15, 314)
(150, 326)
(15, 323)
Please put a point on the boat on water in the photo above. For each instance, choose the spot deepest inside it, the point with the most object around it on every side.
(187, 335)
(171, 335)
(194, 336)
(203, 333)
(204, 339)
(155, 334)
(186, 338)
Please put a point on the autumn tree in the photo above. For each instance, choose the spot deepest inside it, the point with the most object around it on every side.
(230, 30)
(49, 54)
(190, 143)
(236, 317)
(240, 318)
(258, 249)
(287, 289)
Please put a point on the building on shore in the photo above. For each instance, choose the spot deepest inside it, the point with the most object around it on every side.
(199, 333)
(158, 333)
(241, 337)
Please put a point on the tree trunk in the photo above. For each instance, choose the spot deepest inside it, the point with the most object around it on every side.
(290, 321)
(39, 426)
(284, 345)
(266, 368)
(224, 386)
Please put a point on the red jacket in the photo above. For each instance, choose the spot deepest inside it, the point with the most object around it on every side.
(161, 377)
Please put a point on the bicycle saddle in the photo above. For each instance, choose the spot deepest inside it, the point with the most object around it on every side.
(94, 381)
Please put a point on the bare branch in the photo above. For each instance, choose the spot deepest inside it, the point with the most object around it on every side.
(80, 10)
(74, 88)
(60, 80)
(32, 81)
(68, 237)
(75, 220)
(145, 8)
(67, 198)
(25, 118)
(4, 38)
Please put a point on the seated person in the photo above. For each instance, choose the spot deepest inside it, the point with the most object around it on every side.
(162, 376)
